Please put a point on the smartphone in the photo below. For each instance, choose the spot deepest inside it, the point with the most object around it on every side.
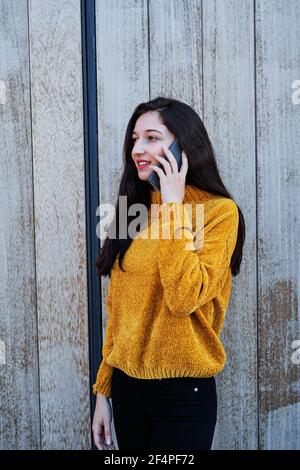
(176, 150)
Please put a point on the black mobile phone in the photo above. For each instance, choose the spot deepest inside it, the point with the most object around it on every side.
(176, 150)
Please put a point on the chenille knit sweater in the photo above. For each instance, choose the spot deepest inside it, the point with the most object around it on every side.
(166, 312)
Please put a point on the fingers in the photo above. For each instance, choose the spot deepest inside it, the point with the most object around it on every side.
(97, 436)
(172, 160)
(106, 439)
(184, 166)
(107, 432)
(173, 163)
(101, 444)
(161, 174)
(104, 445)
(101, 429)
(165, 164)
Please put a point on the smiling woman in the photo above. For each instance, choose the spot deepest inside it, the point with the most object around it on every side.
(166, 304)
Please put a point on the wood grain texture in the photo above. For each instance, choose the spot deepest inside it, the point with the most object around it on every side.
(175, 57)
(122, 82)
(59, 189)
(278, 137)
(235, 62)
(19, 386)
(229, 116)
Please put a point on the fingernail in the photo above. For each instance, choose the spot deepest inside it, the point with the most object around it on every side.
(108, 440)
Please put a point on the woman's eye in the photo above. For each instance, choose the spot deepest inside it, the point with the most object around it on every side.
(150, 137)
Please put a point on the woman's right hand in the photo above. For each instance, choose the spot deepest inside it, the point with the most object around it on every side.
(102, 424)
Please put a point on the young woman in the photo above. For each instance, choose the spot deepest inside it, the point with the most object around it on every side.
(167, 298)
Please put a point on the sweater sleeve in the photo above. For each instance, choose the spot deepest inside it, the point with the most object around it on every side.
(104, 374)
(191, 277)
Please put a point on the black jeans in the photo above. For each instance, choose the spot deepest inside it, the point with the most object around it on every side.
(167, 414)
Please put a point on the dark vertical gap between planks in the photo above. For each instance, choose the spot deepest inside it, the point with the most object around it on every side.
(90, 119)
(256, 200)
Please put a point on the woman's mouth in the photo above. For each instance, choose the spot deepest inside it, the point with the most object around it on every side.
(142, 165)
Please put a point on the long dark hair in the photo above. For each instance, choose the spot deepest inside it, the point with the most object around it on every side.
(202, 173)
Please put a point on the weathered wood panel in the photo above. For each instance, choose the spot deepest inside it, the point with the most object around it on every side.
(229, 115)
(122, 82)
(19, 385)
(278, 137)
(176, 50)
(59, 192)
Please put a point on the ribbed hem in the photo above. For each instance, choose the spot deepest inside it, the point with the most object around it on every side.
(104, 388)
(189, 370)
(103, 379)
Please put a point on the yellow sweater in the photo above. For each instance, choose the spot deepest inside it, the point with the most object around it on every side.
(166, 312)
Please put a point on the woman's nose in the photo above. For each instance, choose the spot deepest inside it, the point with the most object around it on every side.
(138, 148)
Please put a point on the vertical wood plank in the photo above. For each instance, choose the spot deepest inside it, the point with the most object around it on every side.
(19, 385)
(176, 50)
(59, 186)
(122, 82)
(229, 115)
(278, 137)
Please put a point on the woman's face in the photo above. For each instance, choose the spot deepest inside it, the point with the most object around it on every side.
(149, 135)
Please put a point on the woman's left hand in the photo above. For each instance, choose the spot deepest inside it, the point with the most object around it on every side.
(173, 182)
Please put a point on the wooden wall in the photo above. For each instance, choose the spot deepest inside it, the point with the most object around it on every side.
(235, 62)
(278, 221)
(19, 371)
(44, 383)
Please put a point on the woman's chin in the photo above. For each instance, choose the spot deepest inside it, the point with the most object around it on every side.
(144, 175)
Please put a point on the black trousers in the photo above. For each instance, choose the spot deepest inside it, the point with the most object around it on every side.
(163, 414)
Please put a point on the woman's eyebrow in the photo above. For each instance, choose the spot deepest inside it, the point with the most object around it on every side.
(149, 130)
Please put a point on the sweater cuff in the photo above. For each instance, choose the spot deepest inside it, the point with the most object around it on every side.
(103, 380)
(175, 221)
